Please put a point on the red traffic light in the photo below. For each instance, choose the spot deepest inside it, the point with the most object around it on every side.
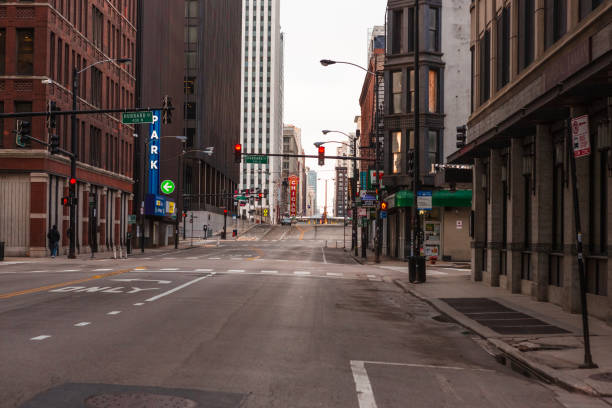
(65, 201)
(225, 211)
(237, 153)
(260, 195)
(73, 181)
(321, 155)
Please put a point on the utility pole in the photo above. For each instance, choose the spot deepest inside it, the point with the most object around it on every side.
(416, 264)
(73, 159)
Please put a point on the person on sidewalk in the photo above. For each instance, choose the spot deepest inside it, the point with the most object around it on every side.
(54, 237)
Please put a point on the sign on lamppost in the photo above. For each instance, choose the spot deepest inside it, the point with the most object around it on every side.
(424, 200)
(256, 159)
(132, 118)
(580, 136)
(167, 187)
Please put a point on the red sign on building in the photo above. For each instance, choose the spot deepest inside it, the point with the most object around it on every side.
(293, 188)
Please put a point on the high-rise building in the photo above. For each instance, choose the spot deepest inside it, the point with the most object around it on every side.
(41, 43)
(292, 166)
(262, 99)
(311, 193)
(212, 94)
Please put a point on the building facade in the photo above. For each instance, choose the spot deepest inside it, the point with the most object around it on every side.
(443, 103)
(261, 125)
(212, 69)
(292, 167)
(535, 69)
(44, 41)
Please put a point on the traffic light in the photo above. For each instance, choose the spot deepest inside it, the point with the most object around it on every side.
(73, 181)
(383, 206)
(51, 118)
(24, 131)
(66, 201)
(225, 211)
(461, 136)
(54, 145)
(410, 158)
(238, 153)
(321, 155)
(167, 110)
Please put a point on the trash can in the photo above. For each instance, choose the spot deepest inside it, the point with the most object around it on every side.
(1, 251)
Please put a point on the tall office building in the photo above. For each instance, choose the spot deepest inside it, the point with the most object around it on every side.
(262, 98)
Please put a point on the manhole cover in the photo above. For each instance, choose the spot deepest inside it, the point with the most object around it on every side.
(138, 400)
(605, 377)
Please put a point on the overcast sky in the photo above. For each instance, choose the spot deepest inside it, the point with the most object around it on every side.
(318, 97)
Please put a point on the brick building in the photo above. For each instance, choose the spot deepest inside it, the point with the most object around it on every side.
(43, 41)
(535, 66)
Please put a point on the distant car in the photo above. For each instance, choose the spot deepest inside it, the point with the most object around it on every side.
(286, 221)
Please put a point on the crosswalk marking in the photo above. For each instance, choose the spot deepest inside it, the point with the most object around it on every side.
(336, 274)
(82, 324)
(170, 269)
(270, 272)
(203, 270)
(113, 313)
(301, 273)
(39, 338)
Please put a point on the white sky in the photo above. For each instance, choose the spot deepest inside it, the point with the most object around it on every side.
(318, 97)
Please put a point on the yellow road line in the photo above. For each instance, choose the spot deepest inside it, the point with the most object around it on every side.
(57, 285)
(259, 251)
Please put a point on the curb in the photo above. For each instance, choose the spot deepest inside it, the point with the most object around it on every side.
(542, 371)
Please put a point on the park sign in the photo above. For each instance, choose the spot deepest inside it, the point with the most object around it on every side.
(132, 118)
(167, 187)
(256, 159)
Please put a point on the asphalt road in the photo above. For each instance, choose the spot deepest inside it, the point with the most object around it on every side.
(274, 319)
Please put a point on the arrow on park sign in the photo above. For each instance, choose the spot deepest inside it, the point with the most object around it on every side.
(167, 187)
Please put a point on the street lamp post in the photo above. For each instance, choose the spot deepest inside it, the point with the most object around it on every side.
(73, 158)
(376, 76)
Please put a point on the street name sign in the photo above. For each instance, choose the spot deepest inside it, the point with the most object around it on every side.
(131, 118)
(424, 200)
(256, 159)
(580, 136)
(167, 187)
(132, 219)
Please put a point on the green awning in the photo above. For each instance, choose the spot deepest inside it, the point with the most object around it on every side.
(441, 198)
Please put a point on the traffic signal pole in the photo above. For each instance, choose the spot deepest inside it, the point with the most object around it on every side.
(73, 159)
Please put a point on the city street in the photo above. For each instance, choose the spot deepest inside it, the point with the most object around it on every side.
(273, 319)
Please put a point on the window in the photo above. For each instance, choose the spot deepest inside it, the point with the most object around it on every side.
(396, 100)
(1, 125)
(25, 51)
(190, 137)
(96, 87)
(190, 85)
(190, 110)
(411, 29)
(396, 150)
(432, 148)
(526, 16)
(433, 91)
(598, 180)
(97, 27)
(190, 60)
(503, 48)
(485, 67)
(433, 29)
(3, 50)
(66, 64)
(586, 6)
(51, 56)
(397, 38)
(59, 61)
(556, 20)
(472, 75)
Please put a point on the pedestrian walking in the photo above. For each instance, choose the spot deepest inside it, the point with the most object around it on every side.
(54, 237)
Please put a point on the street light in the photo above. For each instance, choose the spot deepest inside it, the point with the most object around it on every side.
(354, 189)
(73, 157)
(376, 75)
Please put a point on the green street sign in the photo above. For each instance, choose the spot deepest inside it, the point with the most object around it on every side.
(167, 187)
(130, 118)
(131, 219)
(256, 159)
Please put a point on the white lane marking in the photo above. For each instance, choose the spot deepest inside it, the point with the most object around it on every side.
(102, 270)
(161, 282)
(365, 395)
(235, 271)
(167, 259)
(270, 272)
(82, 324)
(154, 298)
(324, 259)
(425, 366)
(169, 269)
(459, 269)
(214, 258)
(38, 338)
(71, 270)
(334, 274)
(203, 270)
(115, 312)
(301, 273)
(373, 278)
(39, 271)
(138, 304)
(192, 257)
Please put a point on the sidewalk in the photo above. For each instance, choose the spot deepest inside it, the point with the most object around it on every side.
(537, 336)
